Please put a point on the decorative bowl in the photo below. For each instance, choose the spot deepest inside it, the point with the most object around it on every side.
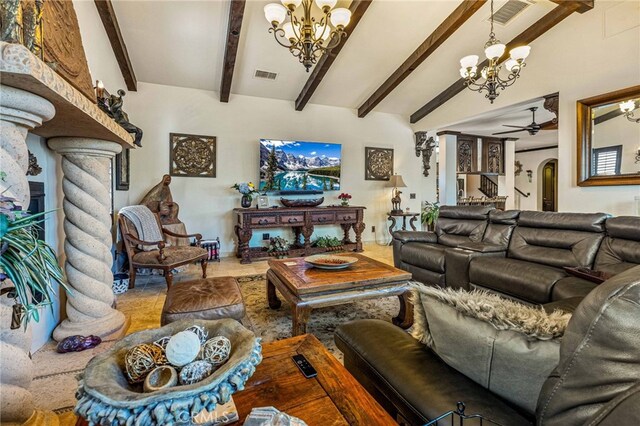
(106, 397)
(310, 202)
(330, 262)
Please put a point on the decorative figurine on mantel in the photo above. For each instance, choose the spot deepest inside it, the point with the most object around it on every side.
(396, 182)
(112, 105)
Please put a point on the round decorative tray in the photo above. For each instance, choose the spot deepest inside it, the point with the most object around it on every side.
(104, 392)
(311, 202)
(330, 262)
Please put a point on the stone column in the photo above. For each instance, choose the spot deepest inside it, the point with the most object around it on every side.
(20, 112)
(86, 164)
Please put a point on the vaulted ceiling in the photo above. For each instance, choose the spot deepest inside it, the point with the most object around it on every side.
(182, 43)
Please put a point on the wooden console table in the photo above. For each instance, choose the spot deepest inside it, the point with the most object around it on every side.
(302, 221)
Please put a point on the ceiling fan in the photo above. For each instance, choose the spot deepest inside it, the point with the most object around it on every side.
(532, 128)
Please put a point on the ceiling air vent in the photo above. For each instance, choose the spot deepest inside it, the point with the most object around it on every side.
(266, 75)
(510, 10)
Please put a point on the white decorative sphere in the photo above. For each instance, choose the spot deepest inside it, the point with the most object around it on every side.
(216, 350)
(182, 348)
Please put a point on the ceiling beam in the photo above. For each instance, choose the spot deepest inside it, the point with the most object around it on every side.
(358, 8)
(548, 21)
(454, 21)
(236, 12)
(583, 5)
(608, 116)
(110, 22)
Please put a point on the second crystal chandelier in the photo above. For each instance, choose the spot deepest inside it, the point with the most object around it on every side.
(308, 38)
(493, 83)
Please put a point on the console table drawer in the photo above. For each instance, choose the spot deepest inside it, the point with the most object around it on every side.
(264, 220)
(292, 219)
(346, 216)
(322, 217)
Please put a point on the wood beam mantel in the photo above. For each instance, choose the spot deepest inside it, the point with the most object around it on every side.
(358, 8)
(236, 13)
(454, 21)
(110, 22)
(548, 21)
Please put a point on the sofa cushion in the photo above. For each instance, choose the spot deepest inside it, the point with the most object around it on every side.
(570, 287)
(505, 346)
(413, 377)
(465, 212)
(428, 256)
(525, 280)
(585, 222)
(625, 227)
(453, 232)
(620, 249)
(599, 356)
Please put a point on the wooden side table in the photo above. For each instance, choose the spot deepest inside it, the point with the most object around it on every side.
(392, 217)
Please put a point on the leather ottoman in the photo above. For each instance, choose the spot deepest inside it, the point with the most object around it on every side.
(206, 298)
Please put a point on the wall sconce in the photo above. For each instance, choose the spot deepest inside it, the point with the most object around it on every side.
(530, 175)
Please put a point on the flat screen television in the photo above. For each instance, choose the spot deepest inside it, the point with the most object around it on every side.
(299, 167)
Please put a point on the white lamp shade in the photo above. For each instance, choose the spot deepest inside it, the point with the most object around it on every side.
(510, 64)
(275, 12)
(469, 61)
(288, 31)
(326, 3)
(340, 17)
(520, 53)
(322, 31)
(628, 106)
(294, 3)
(464, 73)
(495, 51)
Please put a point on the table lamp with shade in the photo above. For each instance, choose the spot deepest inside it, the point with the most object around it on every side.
(396, 182)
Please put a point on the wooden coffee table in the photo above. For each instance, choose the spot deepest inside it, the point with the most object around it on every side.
(306, 287)
(333, 397)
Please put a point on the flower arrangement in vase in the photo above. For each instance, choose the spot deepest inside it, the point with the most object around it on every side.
(344, 198)
(247, 189)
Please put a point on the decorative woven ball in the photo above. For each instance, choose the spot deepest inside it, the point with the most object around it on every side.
(182, 348)
(194, 372)
(159, 378)
(141, 359)
(200, 332)
(216, 350)
(162, 343)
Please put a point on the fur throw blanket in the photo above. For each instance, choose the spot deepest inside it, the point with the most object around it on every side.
(500, 312)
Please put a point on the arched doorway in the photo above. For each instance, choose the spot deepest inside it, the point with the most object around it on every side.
(549, 187)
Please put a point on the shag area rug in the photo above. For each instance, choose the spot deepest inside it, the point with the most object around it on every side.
(55, 383)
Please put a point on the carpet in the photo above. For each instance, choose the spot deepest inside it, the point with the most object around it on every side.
(55, 382)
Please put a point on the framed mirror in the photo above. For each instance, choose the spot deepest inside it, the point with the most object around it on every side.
(609, 139)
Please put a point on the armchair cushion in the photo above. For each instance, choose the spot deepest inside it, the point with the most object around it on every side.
(178, 255)
(426, 256)
(504, 346)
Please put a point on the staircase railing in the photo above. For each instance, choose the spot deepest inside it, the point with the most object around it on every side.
(521, 192)
(488, 187)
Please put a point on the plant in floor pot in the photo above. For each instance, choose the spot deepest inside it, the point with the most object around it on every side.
(247, 189)
(429, 214)
(29, 270)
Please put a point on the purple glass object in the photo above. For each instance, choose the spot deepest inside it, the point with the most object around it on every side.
(78, 343)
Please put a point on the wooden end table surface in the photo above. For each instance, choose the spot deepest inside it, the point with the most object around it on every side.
(306, 287)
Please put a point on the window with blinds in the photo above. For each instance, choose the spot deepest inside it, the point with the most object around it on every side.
(606, 161)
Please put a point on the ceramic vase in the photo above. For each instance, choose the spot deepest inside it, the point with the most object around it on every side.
(245, 202)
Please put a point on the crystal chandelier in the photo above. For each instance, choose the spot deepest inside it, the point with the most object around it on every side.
(490, 73)
(307, 37)
(627, 108)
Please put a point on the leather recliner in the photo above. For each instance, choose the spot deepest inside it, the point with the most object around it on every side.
(596, 382)
(423, 253)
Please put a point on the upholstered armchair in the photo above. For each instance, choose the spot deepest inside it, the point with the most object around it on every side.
(164, 257)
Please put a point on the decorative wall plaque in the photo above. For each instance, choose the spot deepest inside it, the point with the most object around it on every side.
(63, 49)
(122, 170)
(424, 147)
(192, 155)
(467, 154)
(378, 163)
(493, 156)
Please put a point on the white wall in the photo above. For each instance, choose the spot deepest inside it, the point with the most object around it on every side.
(533, 160)
(206, 203)
(585, 55)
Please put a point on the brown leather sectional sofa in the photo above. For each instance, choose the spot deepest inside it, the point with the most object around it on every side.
(518, 254)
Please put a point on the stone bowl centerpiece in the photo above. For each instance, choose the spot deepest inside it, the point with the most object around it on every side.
(105, 396)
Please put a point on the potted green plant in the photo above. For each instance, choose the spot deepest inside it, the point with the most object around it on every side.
(278, 247)
(429, 214)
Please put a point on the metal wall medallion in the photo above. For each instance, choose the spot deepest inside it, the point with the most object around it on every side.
(378, 163)
(192, 155)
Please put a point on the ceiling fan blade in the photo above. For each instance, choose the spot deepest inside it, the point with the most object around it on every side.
(510, 131)
(517, 127)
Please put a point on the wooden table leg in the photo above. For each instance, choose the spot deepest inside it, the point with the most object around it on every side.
(272, 297)
(405, 316)
(300, 316)
(412, 223)
(244, 236)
